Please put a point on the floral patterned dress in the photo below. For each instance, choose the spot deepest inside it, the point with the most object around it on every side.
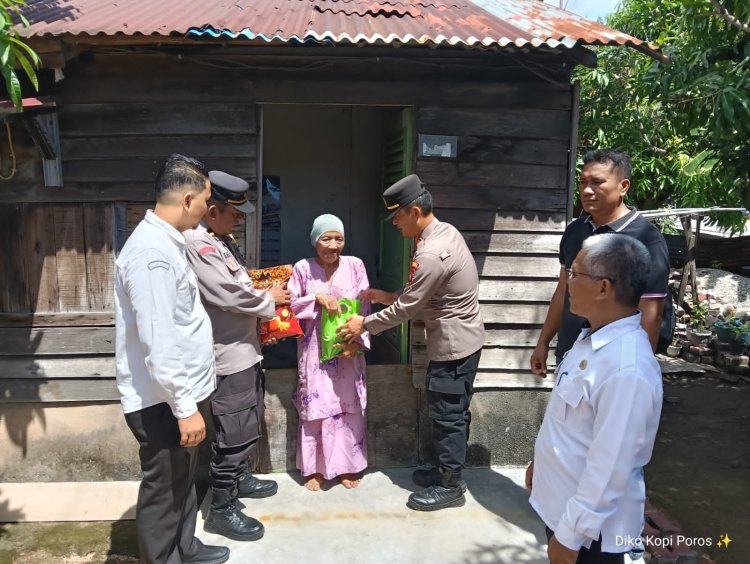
(331, 397)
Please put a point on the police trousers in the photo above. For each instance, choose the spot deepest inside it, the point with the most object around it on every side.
(450, 385)
(237, 410)
(167, 505)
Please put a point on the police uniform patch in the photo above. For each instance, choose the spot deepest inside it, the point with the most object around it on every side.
(233, 265)
(203, 251)
(412, 270)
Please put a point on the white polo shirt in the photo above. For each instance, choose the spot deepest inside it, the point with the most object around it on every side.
(163, 340)
(597, 435)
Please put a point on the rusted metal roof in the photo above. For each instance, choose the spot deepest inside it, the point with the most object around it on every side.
(465, 23)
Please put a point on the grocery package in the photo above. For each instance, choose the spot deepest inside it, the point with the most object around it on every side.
(284, 324)
(331, 322)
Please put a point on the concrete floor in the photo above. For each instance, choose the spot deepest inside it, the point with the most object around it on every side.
(372, 524)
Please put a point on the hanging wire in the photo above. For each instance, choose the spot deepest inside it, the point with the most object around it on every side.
(12, 155)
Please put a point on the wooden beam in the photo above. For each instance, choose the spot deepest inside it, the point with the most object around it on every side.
(514, 266)
(21, 341)
(526, 243)
(45, 368)
(516, 290)
(473, 174)
(71, 390)
(502, 359)
(56, 319)
(499, 197)
(514, 313)
(500, 122)
(516, 337)
(493, 220)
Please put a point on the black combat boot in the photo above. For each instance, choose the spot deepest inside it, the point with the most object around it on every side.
(430, 476)
(447, 493)
(250, 486)
(225, 518)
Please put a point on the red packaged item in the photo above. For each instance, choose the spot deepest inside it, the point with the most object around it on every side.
(284, 324)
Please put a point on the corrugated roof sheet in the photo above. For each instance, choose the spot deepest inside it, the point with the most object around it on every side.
(469, 23)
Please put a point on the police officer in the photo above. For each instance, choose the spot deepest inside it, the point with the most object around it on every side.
(234, 307)
(443, 291)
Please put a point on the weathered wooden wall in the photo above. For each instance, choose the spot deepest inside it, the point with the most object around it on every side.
(120, 117)
(122, 114)
(507, 192)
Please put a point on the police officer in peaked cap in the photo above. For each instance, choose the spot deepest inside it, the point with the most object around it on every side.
(442, 290)
(235, 308)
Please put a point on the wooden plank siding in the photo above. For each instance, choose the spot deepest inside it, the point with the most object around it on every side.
(120, 116)
(506, 191)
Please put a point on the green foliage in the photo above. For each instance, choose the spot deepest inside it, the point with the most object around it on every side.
(698, 314)
(14, 52)
(685, 124)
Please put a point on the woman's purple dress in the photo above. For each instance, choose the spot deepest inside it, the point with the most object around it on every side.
(330, 397)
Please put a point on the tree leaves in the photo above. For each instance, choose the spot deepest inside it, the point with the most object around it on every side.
(14, 52)
(687, 124)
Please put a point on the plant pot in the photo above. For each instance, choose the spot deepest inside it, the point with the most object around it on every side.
(698, 336)
(737, 346)
(673, 350)
(723, 331)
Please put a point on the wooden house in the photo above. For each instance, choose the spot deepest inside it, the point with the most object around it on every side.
(319, 104)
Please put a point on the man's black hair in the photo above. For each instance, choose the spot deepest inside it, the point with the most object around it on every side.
(619, 160)
(179, 173)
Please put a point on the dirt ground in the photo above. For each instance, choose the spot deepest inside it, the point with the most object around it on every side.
(700, 471)
(700, 476)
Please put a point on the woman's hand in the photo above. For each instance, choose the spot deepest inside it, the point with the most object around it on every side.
(349, 349)
(329, 302)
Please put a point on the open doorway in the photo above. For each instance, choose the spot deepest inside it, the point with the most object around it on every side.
(335, 159)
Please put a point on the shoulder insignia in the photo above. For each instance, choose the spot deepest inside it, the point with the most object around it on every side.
(445, 254)
(158, 263)
(412, 270)
(205, 249)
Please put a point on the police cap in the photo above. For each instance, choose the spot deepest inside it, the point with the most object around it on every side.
(402, 193)
(230, 189)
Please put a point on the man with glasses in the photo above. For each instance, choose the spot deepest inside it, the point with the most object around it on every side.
(599, 428)
(604, 182)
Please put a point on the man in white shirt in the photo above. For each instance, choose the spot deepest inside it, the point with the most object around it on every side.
(598, 432)
(165, 364)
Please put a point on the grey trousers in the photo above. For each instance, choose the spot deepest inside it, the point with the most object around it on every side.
(167, 504)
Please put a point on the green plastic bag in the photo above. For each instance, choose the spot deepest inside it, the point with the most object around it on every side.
(328, 325)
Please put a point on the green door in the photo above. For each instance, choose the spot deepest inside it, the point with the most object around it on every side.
(395, 250)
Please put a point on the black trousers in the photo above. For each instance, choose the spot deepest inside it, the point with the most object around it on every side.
(594, 554)
(167, 504)
(237, 409)
(450, 385)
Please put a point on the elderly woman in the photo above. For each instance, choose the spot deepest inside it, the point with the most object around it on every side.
(331, 397)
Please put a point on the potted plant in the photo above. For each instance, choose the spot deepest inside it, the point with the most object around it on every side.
(740, 333)
(697, 334)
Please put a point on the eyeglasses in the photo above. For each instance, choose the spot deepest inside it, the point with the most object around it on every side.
(572, 274)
